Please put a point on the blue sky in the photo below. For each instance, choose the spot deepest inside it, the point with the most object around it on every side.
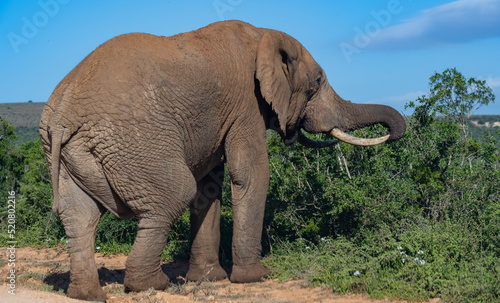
(372, 51)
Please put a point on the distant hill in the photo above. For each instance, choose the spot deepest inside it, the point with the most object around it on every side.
(25, 117)
(481, 124)
(22, 114)
(487, 121)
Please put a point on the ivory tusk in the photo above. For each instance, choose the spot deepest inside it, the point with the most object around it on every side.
(314, 144)
(337, 133)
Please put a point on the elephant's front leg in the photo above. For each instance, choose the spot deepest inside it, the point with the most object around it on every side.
(205, 229)
(249, 171)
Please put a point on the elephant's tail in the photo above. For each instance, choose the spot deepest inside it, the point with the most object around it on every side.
(59, 131)
(57, 134)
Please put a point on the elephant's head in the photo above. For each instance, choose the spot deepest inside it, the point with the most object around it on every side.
(297, 89)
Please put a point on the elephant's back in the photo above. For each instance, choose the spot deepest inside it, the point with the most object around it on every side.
(132, 86)
(137, 81)
(136, 63)
(103, 82)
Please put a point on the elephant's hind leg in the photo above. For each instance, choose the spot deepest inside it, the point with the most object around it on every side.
(143, 270)
(205, 229)
(164, 204)
(80, 215)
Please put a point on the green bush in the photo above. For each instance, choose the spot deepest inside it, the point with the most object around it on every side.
(30, 177)
(413, 219)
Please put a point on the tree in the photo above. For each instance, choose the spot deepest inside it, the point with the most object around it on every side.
(7, 137)
(458, 97)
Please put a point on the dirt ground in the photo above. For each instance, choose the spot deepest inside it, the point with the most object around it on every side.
(43, 276)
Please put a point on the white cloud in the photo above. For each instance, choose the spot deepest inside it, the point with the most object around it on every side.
(453, 23)
(494, 83)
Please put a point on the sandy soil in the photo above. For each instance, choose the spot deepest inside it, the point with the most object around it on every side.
(43, 276)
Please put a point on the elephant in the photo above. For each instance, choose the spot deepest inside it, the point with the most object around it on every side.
(145, 125)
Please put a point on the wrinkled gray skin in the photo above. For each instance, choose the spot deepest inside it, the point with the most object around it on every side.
(144, 125)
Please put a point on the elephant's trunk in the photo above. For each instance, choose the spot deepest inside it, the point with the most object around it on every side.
(362, 115)
(329, 113)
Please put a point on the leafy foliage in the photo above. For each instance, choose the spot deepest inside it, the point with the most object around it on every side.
(436, 191)
(28, 176)
(7, 136)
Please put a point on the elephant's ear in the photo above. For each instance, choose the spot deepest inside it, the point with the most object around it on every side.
(273, 70)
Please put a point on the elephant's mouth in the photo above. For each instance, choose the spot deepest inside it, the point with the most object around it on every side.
(341, 136)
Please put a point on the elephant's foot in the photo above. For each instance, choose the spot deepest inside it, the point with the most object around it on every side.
(212, 272)
(88, 292)
(250, 273)
(140, 281)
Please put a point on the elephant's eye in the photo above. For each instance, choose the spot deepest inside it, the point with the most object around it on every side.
(318, 81)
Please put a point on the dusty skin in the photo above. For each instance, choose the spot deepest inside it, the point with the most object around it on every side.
(40, 270)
